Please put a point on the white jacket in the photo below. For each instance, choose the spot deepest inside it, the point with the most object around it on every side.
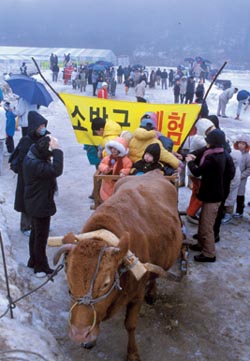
(227, 94)
(140, 89)
(22, 109)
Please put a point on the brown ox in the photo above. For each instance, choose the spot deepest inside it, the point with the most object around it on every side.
(143, 214)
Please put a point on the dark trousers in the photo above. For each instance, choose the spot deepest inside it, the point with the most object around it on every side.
(189, 98)
(218, 219)
(9, 144)
(37, 243)
(176, 99)
(94, 88)
(25, 222)
(240, 204)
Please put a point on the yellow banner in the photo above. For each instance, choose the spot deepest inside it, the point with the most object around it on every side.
(173, 120)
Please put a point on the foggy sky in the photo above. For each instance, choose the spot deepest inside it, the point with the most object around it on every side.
(124, 26)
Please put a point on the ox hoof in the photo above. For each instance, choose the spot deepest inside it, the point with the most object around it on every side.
(88, 345)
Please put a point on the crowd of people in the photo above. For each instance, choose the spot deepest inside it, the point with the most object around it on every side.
(217, 171)
(187, 83)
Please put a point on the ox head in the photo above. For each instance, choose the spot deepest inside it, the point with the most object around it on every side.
(92, 274)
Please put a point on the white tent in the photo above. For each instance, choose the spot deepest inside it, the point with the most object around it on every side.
(12, 57)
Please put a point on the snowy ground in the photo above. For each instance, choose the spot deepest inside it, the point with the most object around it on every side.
(202, 318)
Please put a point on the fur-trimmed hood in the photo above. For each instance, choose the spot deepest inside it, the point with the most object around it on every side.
(120, 144)
(242, 138)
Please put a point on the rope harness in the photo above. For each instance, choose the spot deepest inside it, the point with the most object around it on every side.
(88, 299)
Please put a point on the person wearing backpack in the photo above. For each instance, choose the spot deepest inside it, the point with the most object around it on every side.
(41, 167)
(37, 128)
(2, 134)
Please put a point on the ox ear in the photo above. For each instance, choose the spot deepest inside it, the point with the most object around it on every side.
(124, 244)
(62, 250)
(122, 248)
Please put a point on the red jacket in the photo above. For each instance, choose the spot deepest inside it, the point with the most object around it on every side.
(102, 93)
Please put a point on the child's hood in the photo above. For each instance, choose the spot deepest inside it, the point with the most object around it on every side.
(243, 138)
(155, 150)
(118, 143)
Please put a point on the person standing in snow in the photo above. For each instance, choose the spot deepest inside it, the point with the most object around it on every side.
(242, 143)
(10, 127)
(2, 134)
(224, 99)
(211, 168)
(176, 91)
(23, 69)
(103, 91)
(94, 80)
(183, 88)
(74, 75)
(164, 78)
(190, 90)
(158, 76)
(37, 128)
(140, 92)
(171, 78)
(41, 166)
(152, 79)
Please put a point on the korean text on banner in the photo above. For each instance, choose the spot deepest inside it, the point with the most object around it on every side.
(173, 120)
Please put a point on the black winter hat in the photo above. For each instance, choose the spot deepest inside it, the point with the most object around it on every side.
(216, 138)
(155, 150)
(35, 119)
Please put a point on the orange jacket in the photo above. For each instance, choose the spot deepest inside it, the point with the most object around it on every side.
(107, 187)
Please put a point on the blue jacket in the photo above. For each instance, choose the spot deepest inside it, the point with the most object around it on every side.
(242, 94)
(10, 123)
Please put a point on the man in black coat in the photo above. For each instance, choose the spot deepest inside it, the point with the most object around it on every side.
(41, 166)
(190, 90)
(37, 128)
(213, 168)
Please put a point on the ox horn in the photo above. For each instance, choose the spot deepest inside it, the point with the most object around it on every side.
(65, 248)
(130, 260)
(161, 272)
